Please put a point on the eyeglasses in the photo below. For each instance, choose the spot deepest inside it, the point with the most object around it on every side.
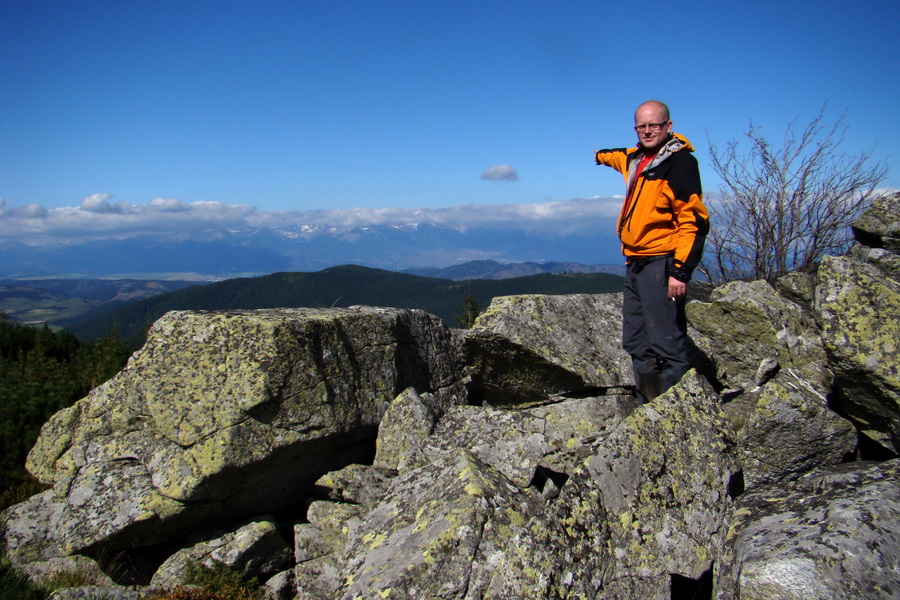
(650, 127)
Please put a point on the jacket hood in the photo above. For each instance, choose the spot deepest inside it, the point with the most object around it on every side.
(676, 143)
(681, 141)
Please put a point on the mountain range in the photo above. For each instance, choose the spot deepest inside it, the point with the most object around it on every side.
(215, 254)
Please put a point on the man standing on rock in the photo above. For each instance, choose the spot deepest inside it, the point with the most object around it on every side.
(663, 226)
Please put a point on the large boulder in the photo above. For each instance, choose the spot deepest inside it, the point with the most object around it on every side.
(205, 420)
(786, 429)
(834, 534)
(879, 226)
(526, 348)
(642, 499)
(858, 308)
(666, 476)
(438, 532)
(749, 332)
(255, 550)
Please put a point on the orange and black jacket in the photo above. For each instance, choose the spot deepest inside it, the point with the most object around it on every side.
(666, 215)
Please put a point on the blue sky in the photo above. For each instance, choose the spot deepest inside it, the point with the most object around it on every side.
(341, 105)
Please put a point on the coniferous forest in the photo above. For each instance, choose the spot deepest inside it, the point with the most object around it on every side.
(41, 372)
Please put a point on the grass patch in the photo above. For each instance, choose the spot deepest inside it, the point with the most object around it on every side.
(17, 485)
(213, 583)
(15, 585)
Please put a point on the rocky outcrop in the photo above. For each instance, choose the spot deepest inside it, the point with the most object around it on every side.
(526, 348)
(665, 478)
(349, 453)
(835, 534)
(859, 305)
(879, 227)
(785, 429)
(218, 410)
(254, 550)
(750, 332)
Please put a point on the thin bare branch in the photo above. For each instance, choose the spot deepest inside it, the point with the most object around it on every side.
(784, 208)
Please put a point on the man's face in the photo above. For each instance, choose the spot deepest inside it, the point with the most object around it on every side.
(651, 126)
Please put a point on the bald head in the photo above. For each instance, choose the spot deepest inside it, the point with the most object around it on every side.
(658, 108)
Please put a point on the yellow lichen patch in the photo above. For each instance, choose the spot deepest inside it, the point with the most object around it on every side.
(473, 485)
(386, 593)
(373, 539)
(515, 517)
(474, 489)
(156, 505)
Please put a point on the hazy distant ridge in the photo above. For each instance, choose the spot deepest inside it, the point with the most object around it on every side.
(491, 269)
(338, 286)
(217, 252)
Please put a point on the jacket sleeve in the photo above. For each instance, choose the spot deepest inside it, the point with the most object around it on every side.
(617, 158)
(691, 216)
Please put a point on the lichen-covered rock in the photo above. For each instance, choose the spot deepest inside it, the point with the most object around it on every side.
(408, 421)
(887, 263)
(96, 592)
(786, 430)
(356, 484)
(207, 417)
(60, 522)
(832, 534)
(858, 308)
(337, 522)
(558, 554)
(529, 347)
(319, 546)
(347, 423)
(438, 533)
(799, 288)
(553, 549)
(254, 550)
(280, 586)
(575, 426)
(512, 442)
(749, 332)
(84, 567)
(665, 477)
(879, 226)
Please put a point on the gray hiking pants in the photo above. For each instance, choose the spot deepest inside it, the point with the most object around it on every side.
(654, 328)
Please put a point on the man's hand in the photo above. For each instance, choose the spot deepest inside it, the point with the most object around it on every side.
(677, 289)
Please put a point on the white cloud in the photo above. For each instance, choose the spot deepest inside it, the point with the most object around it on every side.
(97, 218)
(168, 205)
(500, 173)
(29, 211)
(97, 203)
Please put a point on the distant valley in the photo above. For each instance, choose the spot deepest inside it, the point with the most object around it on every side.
(91, 309)
(53, 301)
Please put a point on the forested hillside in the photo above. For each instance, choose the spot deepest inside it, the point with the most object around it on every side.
(39, 301)
(41, 372)
(338, 286)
